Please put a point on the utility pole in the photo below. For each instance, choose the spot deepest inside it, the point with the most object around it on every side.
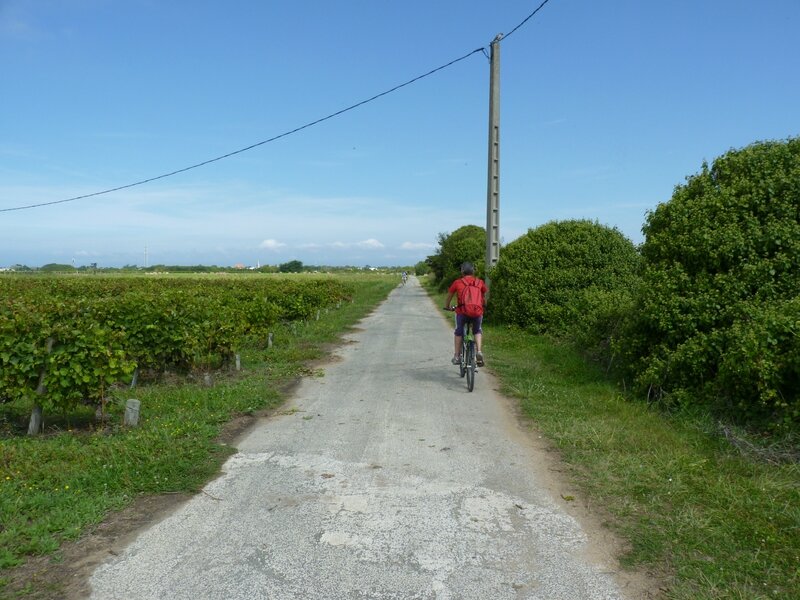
(493, 177)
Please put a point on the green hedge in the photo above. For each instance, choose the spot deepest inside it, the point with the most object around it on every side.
(571, 278)
(465, 244)
(718, 317)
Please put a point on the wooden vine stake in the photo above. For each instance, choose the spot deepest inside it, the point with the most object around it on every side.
(35, 424)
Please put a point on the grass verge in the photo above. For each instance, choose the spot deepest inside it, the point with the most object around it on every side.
(713, 523)
(53, 487)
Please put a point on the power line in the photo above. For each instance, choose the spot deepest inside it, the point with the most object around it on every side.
(250, 147)
(277, 137)
(528, 18)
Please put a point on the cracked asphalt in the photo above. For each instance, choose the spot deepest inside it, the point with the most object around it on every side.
(382, 479)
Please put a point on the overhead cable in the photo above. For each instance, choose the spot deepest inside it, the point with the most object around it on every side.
(274, 138)
(250, 147)
(526, 19)
(245, 149)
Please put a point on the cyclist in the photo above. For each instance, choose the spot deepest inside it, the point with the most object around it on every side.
(404, 277)
(457, 289)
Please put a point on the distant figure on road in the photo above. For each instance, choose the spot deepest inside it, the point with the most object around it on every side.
(471, 294)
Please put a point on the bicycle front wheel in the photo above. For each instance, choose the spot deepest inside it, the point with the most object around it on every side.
(464, 363)
(471, 366)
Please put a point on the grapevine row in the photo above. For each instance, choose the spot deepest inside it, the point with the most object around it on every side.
(64, 341)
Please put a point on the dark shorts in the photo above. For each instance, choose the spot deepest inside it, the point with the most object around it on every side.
(461, 321)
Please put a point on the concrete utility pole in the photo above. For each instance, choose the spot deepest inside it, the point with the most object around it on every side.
(493, 178)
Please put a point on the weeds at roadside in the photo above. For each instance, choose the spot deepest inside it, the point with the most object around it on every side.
(717, 523)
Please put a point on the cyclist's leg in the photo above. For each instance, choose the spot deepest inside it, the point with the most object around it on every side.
(477, 330)
(477, 322)
(459, 338)
(457, 348)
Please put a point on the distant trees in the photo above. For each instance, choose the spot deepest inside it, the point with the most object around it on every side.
(183, 269)
(56, 268)
(293, 266)
(422, 268)
(465, 244)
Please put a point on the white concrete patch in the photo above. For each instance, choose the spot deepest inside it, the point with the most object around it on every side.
(338, 538)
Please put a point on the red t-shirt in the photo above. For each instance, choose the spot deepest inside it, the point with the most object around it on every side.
(459, 285)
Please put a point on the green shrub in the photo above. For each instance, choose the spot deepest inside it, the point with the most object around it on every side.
(597, 318)
(567, 277)
(717, 320)
(465, 244)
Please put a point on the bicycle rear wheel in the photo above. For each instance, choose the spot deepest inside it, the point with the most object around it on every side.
(471, 366)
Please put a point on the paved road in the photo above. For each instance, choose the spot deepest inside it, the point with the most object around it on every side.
(383, 479)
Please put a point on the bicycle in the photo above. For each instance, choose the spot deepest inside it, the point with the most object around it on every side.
(469, 360)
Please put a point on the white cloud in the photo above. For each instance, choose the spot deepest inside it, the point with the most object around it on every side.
(370, 243)
(417, 246)
(271, 244)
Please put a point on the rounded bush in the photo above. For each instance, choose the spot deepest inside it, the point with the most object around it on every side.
(550, 277)
(465, 244)
(717, 320)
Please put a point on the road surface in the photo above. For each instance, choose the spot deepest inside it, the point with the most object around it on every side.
(382, 479)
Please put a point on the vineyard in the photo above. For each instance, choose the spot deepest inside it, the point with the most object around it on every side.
(66, 340)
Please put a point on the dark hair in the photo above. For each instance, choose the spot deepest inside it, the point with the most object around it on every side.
(467, 269)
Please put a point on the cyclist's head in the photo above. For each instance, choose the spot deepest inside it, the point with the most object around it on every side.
(467, 269)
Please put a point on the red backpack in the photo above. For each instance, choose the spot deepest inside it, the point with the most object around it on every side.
(470, 298)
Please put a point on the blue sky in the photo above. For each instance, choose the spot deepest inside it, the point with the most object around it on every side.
(605, 107)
